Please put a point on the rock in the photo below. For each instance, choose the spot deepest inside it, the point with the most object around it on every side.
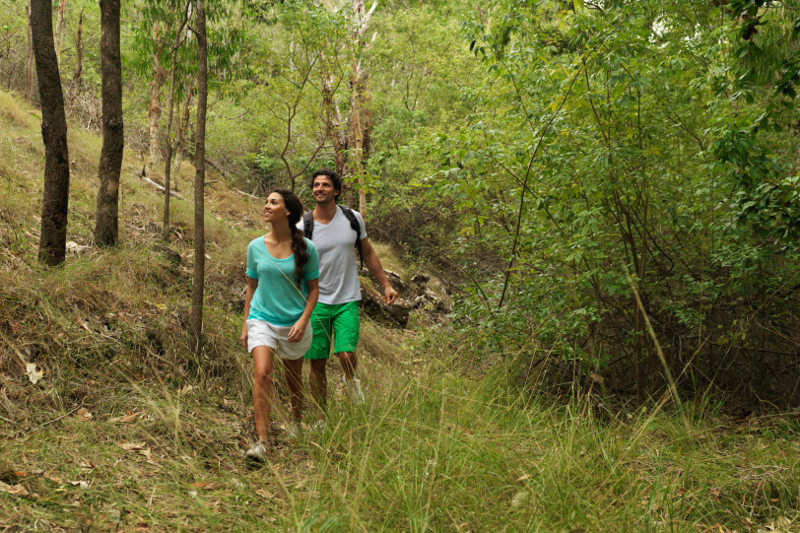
(397, 282)
(373, 306)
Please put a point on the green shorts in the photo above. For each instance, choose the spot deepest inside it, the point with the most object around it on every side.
(338, 321)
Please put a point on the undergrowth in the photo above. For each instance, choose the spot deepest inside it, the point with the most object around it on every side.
(129, 430)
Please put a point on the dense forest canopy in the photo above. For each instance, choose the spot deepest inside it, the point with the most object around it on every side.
(577, 170)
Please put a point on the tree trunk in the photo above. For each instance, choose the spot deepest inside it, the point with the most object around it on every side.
(360, 127)
(168, 165)
(196, 318)
(29, 62)
(77, 79)
(333, 123)
(60, 30)
(154, 111)
(106, 227)
(355, 141)
(183, 127)
(365, 105)
(53, 236)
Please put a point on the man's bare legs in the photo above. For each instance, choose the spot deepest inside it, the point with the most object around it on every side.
(318, 378)
(294, 378)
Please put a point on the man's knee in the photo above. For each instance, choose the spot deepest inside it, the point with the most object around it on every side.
(348, 359)
(318, 367)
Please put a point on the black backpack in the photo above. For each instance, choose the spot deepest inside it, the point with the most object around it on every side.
(308, 228)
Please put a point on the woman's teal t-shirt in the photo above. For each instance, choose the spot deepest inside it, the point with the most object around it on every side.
(277, 298)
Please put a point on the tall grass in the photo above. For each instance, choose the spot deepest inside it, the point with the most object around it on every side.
(432, 450)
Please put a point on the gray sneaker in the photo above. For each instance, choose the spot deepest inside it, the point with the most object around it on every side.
(258, 452)
(354, 391)
(295, 431)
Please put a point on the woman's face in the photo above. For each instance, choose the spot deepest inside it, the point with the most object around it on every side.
(275, 209)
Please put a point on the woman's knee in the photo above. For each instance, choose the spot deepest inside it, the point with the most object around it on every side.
(263, 375)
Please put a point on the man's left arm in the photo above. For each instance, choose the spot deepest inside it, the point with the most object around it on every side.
(376, 269)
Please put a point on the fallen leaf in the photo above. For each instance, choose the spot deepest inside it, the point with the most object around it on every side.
(130, 416)
(83, 415)
(16, 490)
(80, 484)
(54, 479)
(86, 465)
(136, 447)
(33, 372)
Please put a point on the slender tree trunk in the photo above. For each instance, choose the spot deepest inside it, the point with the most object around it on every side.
(154, 111)
(53, 236)
(62, 4)
(183, 127)
(106, 227)
(333, 123)
(29, 62)
(196, 318)
(355, 140)
(360, 127)
(168, 165)
(77, 79)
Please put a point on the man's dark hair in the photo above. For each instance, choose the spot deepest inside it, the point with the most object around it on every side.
(331, 175)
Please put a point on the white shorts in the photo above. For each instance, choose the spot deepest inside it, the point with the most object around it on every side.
(262, 333)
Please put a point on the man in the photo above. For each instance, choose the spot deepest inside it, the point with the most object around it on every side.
(336, 313)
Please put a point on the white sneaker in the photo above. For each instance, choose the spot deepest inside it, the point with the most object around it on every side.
(295, 431)
(258, 452)
(354, 391)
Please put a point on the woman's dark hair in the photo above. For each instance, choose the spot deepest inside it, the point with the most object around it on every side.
(331, 175)
(294, 207)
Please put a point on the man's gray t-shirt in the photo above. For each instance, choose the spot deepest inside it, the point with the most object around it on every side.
(338, 269)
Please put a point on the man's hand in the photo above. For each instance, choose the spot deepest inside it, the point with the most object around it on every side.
(389, 295)
(298, 331)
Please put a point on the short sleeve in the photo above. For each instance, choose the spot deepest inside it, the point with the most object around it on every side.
(312, 266)
(361, 225)
(251, 263)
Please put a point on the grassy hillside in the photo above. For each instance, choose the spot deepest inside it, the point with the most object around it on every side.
(128, 431)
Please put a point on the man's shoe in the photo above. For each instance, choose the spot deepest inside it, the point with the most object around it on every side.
(295, 431)
(258, 452)
(354, 391)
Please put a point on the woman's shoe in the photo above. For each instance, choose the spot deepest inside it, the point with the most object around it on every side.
(258, 452)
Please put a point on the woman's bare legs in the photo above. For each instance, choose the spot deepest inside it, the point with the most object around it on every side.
(262, 391)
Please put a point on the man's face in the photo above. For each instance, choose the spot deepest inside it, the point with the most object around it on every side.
(323, 191)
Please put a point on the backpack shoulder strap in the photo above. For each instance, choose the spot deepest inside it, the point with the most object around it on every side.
(308, 224)
(355, 227)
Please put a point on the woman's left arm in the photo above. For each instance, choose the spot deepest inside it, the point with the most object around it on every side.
(299, 329)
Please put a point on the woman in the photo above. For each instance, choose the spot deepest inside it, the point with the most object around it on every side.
(282, 289)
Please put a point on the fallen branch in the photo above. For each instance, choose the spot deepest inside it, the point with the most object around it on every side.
(162, 189)
(247, 194)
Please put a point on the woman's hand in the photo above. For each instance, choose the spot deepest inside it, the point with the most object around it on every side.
(243, 337)
(298, 331)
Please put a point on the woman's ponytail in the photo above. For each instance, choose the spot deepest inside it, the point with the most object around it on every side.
(295, 209)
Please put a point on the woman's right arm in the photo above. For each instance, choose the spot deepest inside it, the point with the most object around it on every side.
(252, 284)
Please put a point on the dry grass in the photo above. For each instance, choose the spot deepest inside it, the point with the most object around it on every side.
(431, 451)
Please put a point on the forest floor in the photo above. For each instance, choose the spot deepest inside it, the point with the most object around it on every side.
(127, 429)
